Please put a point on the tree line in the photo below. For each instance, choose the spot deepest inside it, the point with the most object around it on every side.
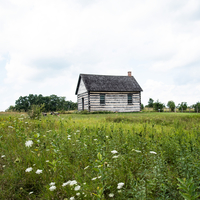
(49, 103)
(158, 106)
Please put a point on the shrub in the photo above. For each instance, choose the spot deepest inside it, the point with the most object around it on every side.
(35, 111)
(158, 106)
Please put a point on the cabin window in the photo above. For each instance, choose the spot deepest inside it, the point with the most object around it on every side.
(130, 99)
(102, 99)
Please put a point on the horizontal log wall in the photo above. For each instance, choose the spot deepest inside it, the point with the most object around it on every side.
(116, 102)
(79, 100)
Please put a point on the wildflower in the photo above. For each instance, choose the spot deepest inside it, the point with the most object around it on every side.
(111, 195)
(115, 156)
(31, 192)
(99, 177)
(77, 188)
(153, 152)
(73, 183)
(3, 166)
(86, 167)
(138, 151)
(95, 139)
(29, 143)
(39, 171)
(67, 183)
(52, 188)
(120, 185)
(114, 151)
(94, 178)
(29, 169)
(52, 183)
(10, 127)
(47, 160)
(71, 198)
(107, 136)
(3, 156)
(78, 194)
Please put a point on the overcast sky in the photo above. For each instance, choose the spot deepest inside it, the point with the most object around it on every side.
(46, 44)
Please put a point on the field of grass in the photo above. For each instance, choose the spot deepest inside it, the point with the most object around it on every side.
(100, 156)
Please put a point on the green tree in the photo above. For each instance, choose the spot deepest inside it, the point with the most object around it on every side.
(171, 105)
(150, 103)
(196, 107)
(182, 106)
(158, 106)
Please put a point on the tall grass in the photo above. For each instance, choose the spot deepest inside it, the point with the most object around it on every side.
(153, 153)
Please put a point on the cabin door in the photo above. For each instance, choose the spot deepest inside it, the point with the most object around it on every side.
(82, 103)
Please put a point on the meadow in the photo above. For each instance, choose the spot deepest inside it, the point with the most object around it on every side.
(100, 156)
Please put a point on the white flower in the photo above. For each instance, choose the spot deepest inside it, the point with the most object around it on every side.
(77, 188)
(3, 156)
(47, 160)
(39, 171)
(94, 178)
(111, 195)
(153, 152)
(73, 183)
(78, 194)
(52, 188)
(29, 143)
(86, 167)
(114, 151)
(107, 136)
(99, 177)
(29, 169)
(138, 151)
(10, 127)
(95, 139)
(67, 183)
(71, 198)
(52, 183)
(115, 156)
(120, 185)
(31, 192)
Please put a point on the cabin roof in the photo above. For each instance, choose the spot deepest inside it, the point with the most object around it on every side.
(105, 83)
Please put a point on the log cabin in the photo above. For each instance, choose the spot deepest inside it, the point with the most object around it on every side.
(108, 93)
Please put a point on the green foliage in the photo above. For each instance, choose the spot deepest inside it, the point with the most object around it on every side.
(142, 106)
(51, 103)
(197, 107)
(150, 103)
(145, 152)
(182, 106)
(171, 105)
(35, 111)
(188, 189)
(158, 106)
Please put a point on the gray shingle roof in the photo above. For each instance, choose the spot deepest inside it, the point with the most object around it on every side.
(105, 83)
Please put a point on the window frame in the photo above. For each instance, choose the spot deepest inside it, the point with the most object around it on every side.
(102, 99)
(130, 99)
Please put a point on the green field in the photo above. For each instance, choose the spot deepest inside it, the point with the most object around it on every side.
(100, 156)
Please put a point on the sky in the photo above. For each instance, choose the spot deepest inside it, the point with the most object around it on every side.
(46, 44)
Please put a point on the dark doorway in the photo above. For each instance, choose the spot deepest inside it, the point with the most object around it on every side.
(82, 103)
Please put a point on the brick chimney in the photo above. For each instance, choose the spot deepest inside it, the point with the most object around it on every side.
(129, 73)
